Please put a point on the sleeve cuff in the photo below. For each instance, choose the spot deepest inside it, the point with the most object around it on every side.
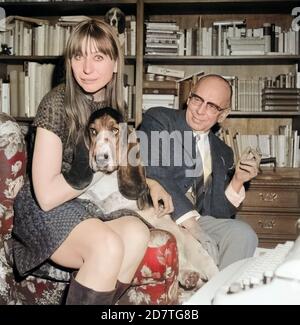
(188, 215)
(233, 197)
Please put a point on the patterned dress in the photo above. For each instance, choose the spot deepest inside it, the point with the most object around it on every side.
(37, 234)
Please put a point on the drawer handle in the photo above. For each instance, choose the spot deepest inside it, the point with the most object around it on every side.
(268, 197)
(267, 224)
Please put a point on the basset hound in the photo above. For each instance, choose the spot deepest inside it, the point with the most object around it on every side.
(122, 190)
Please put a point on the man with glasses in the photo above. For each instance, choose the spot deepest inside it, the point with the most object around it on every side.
(206, 188)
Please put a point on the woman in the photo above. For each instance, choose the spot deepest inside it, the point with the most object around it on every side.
(50, 224)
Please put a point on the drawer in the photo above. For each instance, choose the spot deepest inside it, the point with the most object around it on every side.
(271, 223)
(272, 198)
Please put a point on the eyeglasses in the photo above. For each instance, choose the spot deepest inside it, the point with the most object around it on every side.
(212, 108)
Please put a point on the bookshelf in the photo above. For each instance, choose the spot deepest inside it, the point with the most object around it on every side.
(186, 14)
(51, 11)
(273, 216)
(202, 15)
(189, 14)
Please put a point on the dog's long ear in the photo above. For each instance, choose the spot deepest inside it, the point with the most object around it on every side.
(86, 135)
(106, 17)
(131, 175)
(121, 22)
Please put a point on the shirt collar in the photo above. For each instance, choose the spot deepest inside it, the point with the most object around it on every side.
(201, 133)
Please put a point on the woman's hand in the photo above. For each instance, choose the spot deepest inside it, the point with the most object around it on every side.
(158, 194)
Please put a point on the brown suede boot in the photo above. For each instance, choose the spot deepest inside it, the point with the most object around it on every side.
(81, 295)
(121, 288)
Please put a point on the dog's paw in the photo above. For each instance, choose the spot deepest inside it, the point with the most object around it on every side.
(190, 279)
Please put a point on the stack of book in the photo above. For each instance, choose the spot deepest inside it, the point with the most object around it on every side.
(246, 45)
(160, 87)
(165, 100)
(162, 38)
(281, 99)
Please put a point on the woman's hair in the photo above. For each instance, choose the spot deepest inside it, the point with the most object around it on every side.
(76, 102)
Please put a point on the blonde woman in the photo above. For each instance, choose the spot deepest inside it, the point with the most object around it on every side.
(51, 225)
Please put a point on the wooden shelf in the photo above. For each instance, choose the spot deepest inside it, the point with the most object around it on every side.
(44, 58)
(92, 8)
(223, 60)
(263, 114)
(30, 119)
(193, 7)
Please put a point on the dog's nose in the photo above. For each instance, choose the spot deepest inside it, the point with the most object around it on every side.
(113, 22)
(101, 159)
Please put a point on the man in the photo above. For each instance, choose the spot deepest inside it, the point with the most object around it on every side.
(204, 165)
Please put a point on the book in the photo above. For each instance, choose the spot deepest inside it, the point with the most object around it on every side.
(281, 91)
(5, 98)
(160, 91)
(194, 76)
(166, 84)
(281, 108)
(229, 22)
(185, 86)
(280, 96)
(165, 71)
(31, 20)
(76, 18)
(14, 91)
(285, 102)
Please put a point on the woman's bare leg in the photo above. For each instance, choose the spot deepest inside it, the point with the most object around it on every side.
(135, 236)
(104, 251)
(96, 250)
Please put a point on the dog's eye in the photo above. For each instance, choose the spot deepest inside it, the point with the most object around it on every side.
(115, 131)
(93, 131)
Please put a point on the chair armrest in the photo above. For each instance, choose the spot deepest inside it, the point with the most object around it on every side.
(12, 168)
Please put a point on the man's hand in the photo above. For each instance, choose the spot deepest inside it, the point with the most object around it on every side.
(159, 194)
(246, 168)
(193, 226)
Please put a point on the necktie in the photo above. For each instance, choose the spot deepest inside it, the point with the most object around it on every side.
(204, 149)
(200, 182)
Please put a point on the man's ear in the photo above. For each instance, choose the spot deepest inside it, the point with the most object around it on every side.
(187, 102)
(223, 115)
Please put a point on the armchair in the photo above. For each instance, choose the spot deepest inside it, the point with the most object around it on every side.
(155, 281)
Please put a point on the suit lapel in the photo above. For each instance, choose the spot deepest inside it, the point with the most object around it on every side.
(217, 159)
(186, 133)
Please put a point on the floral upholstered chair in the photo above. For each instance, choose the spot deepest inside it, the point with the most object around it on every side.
(155, 281)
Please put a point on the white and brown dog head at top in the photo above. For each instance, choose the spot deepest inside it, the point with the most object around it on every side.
(115, 17)
(110, 144)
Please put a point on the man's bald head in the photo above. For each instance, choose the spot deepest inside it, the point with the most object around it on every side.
(217, 79)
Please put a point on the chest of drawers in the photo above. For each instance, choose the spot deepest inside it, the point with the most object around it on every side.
(272, 205)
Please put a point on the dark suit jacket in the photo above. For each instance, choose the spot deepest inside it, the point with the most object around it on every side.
(173, 177)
